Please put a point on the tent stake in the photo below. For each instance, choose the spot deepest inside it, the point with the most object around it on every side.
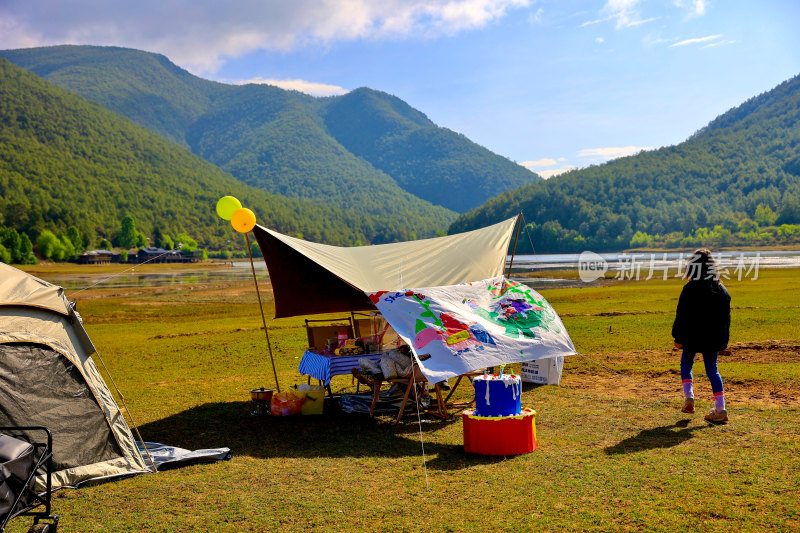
(261, 308)
(514, 251)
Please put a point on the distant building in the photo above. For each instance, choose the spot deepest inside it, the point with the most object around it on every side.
(99, 257)
(160, 255)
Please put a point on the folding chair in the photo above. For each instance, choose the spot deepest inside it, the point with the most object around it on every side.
(20, 462)
(437, 408)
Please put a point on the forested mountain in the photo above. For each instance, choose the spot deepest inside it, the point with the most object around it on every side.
(147, 88)
(272, 139)
(736, 181)
(66, 161)
(428, 161)
(367, 152)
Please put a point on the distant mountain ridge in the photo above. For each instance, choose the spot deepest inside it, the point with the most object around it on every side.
(66, 161)
(738, 177)
(363, 151)
(434, 163)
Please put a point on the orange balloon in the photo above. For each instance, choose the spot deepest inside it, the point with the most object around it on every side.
(243, 220)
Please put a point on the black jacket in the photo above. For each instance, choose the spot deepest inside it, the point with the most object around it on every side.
(703, 318)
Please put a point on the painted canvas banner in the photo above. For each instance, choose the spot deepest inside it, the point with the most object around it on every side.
(474, 325)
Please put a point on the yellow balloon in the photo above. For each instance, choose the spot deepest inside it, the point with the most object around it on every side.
(243, 220)
(226, 206)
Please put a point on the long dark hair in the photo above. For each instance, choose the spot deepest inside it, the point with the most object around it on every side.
(702, 267)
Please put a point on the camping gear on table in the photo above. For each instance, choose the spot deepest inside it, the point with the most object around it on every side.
(464, 313)
(329, 336)
(20, 463)
(323, 367)
(349, 348)
(48, 378)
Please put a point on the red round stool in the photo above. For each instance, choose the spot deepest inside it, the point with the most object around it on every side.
(500, 435)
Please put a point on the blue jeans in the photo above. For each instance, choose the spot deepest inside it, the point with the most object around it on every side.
(710, 361)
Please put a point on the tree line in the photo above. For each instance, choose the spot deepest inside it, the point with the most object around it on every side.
(735, 182)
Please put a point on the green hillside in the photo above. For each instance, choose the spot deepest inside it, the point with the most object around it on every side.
(66, 161)
(736, 181)
(273, 139)
(428, 161)
(286, 142)
(147, 88)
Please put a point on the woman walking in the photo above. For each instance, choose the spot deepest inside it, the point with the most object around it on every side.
(702, 325)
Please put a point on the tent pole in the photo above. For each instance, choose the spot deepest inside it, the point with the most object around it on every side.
(514, 251)
(261, 308)
(127, 410)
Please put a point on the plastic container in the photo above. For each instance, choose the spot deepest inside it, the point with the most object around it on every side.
(286, 403)
(314, 400)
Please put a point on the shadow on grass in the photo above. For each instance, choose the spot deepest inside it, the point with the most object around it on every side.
(526, 386)
(660, 437)
(333, 434)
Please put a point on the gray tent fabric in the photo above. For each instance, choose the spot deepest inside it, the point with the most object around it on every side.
(169, 457)
(38, 383)
(309, 278)
(48, 378)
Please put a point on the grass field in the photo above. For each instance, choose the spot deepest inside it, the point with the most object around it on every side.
(614, 451)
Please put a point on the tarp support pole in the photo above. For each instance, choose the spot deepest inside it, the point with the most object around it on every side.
(261, 308)
(514, 250)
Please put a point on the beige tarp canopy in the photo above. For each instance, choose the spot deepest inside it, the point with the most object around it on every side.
(48, 378)
(309, 278)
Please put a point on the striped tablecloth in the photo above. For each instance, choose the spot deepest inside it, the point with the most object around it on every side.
(324, 367)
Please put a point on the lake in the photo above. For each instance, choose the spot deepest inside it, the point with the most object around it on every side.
(629, 266)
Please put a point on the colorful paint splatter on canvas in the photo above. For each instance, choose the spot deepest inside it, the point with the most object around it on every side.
(474, 325)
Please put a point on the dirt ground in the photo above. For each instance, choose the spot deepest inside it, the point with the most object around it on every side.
(600, 374)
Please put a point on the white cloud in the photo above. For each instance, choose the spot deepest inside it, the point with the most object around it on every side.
(308, 87)
(595, 21)
(719, 43)
(696, 8)
(651, 40)
(537, 16)
(611, 152)
(599, 40)
(546, 162)
(547, 174)
(640, 22)
(201, 35)
(624, 12)
(696, 40)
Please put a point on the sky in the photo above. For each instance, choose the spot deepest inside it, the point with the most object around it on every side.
(550, 84)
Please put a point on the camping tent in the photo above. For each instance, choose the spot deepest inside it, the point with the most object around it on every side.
(446, 296)
(47, 378)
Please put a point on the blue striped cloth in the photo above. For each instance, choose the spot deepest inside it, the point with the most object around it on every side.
(324, 367)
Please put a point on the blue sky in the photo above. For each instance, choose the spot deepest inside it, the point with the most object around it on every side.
(549, 84)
